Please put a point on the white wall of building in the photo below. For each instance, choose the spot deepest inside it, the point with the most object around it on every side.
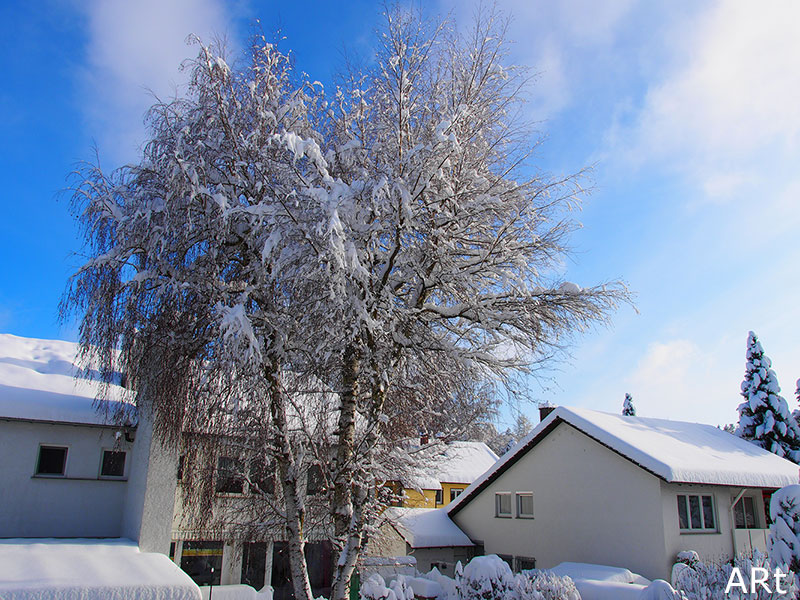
(149, 502)
(80, 504)
(590, 505)
(714, 545)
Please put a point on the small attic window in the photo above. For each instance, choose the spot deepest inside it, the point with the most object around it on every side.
(52, 461)
(502, 504)
(524, 505)
(113, 464)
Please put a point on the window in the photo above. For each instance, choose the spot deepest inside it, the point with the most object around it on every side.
(113, 464)
(229, 476)
(455, 493)
(525, 505)
(439, 496)
(202, 561)
(508, 559)
(52, 460)
(524, 563)
(744, 513)
(254, 564)
(316, 481)
(502, 504)
(696, 512)
(262, 477)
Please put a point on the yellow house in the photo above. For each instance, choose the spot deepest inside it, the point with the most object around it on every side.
(452, 470)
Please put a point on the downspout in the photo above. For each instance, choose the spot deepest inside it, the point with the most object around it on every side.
(733, 521)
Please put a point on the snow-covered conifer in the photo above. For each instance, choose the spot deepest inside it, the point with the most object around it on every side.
(784, 532)
(764, 416)
(628, 409)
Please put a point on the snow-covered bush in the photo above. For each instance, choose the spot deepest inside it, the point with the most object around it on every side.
(375, 588)
(490, 578)
(487, 578)
(688, 557)
(661, 590)
(708, 580)
(784, 533)
(447, 584)
(544, 585)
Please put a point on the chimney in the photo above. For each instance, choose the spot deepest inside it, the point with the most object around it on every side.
(544, 410)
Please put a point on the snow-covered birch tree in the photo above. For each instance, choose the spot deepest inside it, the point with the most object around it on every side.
(764, 416)
(201, 255)
(273, 245)
(451, 239)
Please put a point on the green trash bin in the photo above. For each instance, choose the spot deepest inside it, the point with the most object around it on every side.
(355, 585)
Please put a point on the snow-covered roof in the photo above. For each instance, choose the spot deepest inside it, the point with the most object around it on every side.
(675, 451)
(426, 527)
(41, 380)
(89, 569)
(464, 462)
(455, 462)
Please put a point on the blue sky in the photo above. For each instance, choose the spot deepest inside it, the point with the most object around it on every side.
(687, 110)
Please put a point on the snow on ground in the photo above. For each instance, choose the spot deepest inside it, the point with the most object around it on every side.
(601, 582)
(426, 527)
(597, 573)
(676, 451)
(235, 592)
(111, 569)
(42, 380)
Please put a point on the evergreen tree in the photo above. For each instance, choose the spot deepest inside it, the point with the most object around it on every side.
(784, 532)
(764, 416)
(796, 411)
(628, 409)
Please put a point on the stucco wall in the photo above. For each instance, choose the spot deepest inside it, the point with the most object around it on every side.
(415, 499)
(446, 557)
(78, 505)
(710, 546)
(590, 505)
(386, 542)
(149, 503)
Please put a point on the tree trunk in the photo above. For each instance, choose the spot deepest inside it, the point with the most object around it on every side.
(342, 505)
(294, 505)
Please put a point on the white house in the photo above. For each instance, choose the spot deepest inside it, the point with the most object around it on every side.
(71, 472)
(593, 487)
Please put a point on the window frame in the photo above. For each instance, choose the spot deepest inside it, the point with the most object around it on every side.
(455, 492)
(439, 497)
(687, 504)
(63, 474)
(524, 563)
(743, 505)
(236, 474)
(124, 463)
(519, 496)
(497, 513)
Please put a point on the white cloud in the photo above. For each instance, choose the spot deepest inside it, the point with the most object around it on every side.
(680, 380)
(134, 50)
(728, 100)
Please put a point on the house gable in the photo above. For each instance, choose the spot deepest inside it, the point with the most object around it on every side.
(589, 504)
